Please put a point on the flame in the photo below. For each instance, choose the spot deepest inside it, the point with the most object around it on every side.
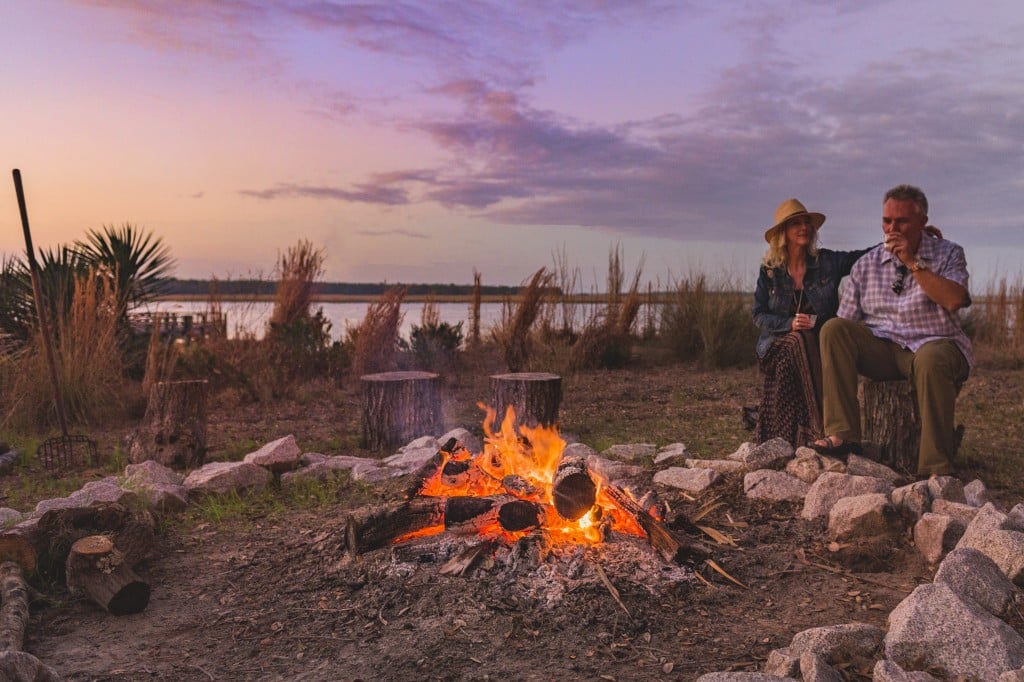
(532, 459)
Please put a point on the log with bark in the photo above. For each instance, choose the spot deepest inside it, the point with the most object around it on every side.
(97, 569)
(432, 466)
(475, 514)
(398, 407)
(534, 396)
(375, 527)
(673, 548)
(173, 430)
(14, 609)
(574, 491)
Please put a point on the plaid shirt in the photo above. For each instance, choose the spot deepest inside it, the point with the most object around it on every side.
(908, 318)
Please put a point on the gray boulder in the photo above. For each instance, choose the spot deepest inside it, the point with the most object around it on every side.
(976, 494)
(887, 671)
(771, 454)
(722, 466)
(862, 466)
(672, 451)
(743, 677)
(690, 480)
(277, 456)
(778, 486)
(862, 516)
(631, 452)
(935, 628)
(832, 487)
(946, 488)
(224, 477)
(958, 511)
(839, 643)
(9, 517)
(935, 535)
(972, 575)
(912, 500)
(814, 668)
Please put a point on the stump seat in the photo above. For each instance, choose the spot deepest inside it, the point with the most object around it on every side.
(534, 396)
(398, 407)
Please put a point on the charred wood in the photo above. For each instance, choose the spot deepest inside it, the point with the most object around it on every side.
(376, 527)
(574, 491)
(432, 466)
(463, 562)
(471, 514)
(672, 547)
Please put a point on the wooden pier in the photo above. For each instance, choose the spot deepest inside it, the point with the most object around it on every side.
(180, 325)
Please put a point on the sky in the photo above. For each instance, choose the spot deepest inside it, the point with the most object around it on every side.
(418, 141)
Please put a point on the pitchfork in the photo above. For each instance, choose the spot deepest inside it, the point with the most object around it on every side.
(58, 452)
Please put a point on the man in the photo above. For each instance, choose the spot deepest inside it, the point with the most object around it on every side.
(897, 320)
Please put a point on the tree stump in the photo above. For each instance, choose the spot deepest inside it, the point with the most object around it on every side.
(891, 421)
(96, 568)
(534, 396)
(173, 431)
(398, 407)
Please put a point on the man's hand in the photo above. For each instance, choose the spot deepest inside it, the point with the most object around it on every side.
(896, 244)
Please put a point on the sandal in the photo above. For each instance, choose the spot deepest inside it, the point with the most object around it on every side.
(832, 449)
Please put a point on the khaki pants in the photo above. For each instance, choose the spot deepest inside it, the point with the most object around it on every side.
(937, 369)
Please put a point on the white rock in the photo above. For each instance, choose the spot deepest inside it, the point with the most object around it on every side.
(831, 487)
(421, 443)
(580, 450)
(839, 642)
(862, 516)
(223, 477)
(935, 535)
(771, 454)
(912, 500)
(814, 668)
(958, 511)
(743, 452)
(946, 488)
(976, 493)
(768, 484)
(782, 662)
(808, 465)
(690, 480)
(862, 466)
(9, 517)
(1005, 547)
(277, 456)
(409, 460)
(150, 472)
(722, 466)
(671, 451)
(887, 671)
(611, 469)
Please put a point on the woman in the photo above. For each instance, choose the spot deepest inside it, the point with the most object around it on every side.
(797, 291)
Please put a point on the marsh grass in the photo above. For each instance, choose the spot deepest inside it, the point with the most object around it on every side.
(711, 326)
(513, 333)
(374, 341)
(608, 336)
(298, 270)
(994, 322)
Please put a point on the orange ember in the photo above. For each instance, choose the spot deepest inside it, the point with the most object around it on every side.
(525, 468)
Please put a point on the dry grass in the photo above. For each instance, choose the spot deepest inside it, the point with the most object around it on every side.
(298, 270)
(995, 323)
(89, 363)
(375, 340)
(161, 357)
(711, 326)
(514, 332)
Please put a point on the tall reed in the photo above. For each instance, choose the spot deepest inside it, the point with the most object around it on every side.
(513, 334)
(714, 327)
(374, 341)
(298, 270)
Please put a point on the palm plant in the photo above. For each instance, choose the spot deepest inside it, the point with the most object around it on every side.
(140, 262)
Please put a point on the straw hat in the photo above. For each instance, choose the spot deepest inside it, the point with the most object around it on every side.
(790, 208)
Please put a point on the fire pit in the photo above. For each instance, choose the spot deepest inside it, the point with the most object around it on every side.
(518, 501)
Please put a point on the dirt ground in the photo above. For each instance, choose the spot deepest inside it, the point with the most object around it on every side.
(276, 598)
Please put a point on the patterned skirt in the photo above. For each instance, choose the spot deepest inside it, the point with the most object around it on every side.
(791, 403)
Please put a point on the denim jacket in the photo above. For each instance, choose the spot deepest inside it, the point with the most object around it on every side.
(773, 297)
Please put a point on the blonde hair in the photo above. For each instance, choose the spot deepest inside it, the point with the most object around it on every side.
(777, 254)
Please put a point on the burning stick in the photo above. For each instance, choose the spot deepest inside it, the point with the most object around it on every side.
(431, 467)
(574, 492)
(476, 514)
(673, 548)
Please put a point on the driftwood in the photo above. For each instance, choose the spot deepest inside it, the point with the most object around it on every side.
(173, 430)
(574, 491)
(14, 609)
(672, 547)
(398, 407)
(96, 568)
(534, 396)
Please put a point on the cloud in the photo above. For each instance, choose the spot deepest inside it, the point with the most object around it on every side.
(363, 193)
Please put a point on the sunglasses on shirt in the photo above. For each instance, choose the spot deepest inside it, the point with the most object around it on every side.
(901, 275)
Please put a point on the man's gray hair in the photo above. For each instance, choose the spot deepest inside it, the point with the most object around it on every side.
(908, 193)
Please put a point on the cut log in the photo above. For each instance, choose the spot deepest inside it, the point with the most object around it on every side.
(173, 430)
(533, 396)
(97, 569)
(673, 548)
(376, 527)
(17, 546)
(574, 491)
(14, 609)
(398, 407)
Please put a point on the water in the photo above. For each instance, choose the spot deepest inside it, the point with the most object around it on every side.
(251, 317)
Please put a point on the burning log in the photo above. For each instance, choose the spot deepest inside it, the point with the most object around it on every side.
(14, 612)
(431, 466)
(96, 568)
(574, 491)
(399, 406)
(518, 486)
(475, 514)
(376, 527)
(173, 431)
(534, 396)
(672, 547)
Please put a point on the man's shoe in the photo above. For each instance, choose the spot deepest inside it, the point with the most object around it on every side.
(829, 447)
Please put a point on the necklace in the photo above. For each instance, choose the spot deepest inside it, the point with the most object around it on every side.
(799, 301)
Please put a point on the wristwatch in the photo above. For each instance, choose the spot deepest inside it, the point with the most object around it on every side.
(918, 266)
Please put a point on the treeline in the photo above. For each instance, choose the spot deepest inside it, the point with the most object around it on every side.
(242, 287)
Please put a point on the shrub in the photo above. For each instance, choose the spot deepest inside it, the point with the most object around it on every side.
(374, 341)
(714, 327)
(513, 334)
